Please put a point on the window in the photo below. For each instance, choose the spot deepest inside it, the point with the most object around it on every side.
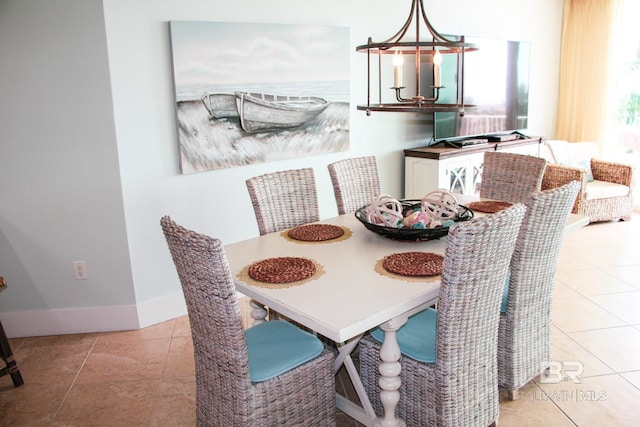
(627, 142)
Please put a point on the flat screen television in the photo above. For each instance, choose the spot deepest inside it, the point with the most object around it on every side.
(496, 80)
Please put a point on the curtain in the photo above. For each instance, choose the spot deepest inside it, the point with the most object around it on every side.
(586, 102)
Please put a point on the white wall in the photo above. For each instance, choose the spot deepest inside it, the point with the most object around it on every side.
(60, 188)
(90, 159)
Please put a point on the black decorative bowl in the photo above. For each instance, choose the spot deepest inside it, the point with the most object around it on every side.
(406, 233)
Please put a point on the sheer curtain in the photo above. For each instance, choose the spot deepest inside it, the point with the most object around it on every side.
(587, 102)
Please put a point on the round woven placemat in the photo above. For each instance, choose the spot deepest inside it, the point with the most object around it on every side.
(271, 279)
(415, 264)
(318, 234)
(281, 270)
(315, 232)
(489, 206)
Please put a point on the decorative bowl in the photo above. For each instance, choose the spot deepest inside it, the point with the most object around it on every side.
(407, 233)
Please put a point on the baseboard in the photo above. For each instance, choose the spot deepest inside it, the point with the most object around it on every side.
(161, 309)
(35, 323)
(93, 319)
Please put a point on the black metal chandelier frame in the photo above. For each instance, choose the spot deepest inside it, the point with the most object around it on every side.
(418, 103)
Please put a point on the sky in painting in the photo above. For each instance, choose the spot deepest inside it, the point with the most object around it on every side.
(226, 52)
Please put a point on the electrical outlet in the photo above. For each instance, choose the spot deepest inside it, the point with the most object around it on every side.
(80, 270)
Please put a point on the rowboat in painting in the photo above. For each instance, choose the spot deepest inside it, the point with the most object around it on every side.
(262, 112)
(220, 105)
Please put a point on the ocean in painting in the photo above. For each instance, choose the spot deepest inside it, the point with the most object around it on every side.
(208, 143)
(332, 91)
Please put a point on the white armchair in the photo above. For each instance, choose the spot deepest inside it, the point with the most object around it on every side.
(606, 192)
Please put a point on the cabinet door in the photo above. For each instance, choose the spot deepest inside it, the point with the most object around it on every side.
(421, 177)
(463, 173)
(476, 178)
(457, 176)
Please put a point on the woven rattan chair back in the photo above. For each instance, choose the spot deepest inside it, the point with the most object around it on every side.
(284, 199)
(461, 387)
(476, 264)
(524, 344)
(355, 182)
(510, 177)
(222, 370)
(225, 395)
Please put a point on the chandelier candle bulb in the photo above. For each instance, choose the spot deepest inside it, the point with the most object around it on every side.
(437, 60)
(397, 69)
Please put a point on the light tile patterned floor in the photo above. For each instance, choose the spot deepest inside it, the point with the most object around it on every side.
(146, 377)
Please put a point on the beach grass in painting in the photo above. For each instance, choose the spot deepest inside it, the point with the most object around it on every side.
(207, 143)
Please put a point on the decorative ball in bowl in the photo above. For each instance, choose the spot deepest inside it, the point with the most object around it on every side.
(413, 219)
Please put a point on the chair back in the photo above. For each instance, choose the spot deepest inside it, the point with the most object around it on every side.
(284, 199)
(476, 264)
(355, 182)
(525, 327)
(220, 350)
(510, 177)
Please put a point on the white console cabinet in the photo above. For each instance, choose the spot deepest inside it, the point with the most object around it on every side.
(456, 169)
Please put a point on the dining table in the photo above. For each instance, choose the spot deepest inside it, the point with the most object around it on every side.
(349, 294)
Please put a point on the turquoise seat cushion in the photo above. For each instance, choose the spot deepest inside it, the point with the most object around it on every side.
(505, 296)
(276, 347)
(417, 337)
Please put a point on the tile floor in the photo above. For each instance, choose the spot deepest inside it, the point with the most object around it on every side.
(146, 377)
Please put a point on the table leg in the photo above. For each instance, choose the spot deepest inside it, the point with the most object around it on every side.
(364, 413)
(258, 312)
(390, 373)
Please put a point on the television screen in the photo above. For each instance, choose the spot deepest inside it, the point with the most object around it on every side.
(496, 80)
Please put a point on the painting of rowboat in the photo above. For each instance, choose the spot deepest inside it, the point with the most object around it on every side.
(253, 93)
(260, 112)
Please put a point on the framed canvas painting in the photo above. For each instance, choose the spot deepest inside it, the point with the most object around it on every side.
(250, 93)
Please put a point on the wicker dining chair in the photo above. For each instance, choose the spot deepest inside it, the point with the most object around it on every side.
(510, 177)
(355, 182)
(271, 374)
(449, 356)
(524, 337)
(284, 199)
(593, 199)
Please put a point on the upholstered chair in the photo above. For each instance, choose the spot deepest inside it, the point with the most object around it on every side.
(606, 188)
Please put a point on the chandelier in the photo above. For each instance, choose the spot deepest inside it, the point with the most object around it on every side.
(431, 51)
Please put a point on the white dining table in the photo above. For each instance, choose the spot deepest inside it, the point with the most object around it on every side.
(348, 298)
